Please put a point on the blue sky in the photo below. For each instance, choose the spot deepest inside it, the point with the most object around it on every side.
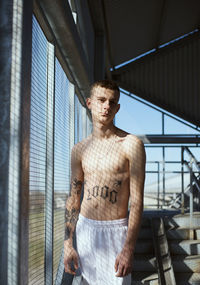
(139, 119)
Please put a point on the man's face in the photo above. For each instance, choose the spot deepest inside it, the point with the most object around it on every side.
(103, 104)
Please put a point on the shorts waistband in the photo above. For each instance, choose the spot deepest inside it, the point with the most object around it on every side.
(104, 223)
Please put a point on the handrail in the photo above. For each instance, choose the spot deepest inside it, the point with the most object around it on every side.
(193, 176)
(193, 179)
(193, 157)
(163, 258)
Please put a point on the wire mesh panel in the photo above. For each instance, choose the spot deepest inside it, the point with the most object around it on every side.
(78, 120)
(37, 156)
(61, 159)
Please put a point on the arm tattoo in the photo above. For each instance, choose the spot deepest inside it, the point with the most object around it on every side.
(71, 211)
(76, 183)
(71, 218)
(76, 186)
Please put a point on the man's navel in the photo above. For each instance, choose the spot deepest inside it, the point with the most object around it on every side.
(96, 205)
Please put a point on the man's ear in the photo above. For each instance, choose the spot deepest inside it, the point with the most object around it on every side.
(118, 107)
(88, 102)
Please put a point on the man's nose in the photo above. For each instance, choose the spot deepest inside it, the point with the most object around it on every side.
(106, 105)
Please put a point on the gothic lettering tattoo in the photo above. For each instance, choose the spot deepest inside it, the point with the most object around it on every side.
(113, 196)
(103, 193)
(89, 197)
(95, 191)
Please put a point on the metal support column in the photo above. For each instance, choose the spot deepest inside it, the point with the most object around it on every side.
(15, 74)
(71, 90)
(84, 123)
(182, 182)
(163, 158)
(191, 194)
(49, 203)
(5, 80)
(158, 189)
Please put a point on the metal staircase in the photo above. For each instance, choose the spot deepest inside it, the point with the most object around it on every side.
(168, 249)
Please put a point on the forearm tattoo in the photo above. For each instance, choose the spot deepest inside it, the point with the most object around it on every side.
(76, 186)
(104, 192)
(71, 212)
(71, 218)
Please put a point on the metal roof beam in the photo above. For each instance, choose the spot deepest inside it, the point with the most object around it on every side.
(66, 37)
(170, 139)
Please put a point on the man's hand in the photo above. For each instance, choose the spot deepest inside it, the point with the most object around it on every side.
(124, 262)
(70, 260)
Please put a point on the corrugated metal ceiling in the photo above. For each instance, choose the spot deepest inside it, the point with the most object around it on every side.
(134, 27)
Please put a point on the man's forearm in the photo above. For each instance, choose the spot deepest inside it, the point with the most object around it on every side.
(71, 217)
(135, 217)
(72, 211)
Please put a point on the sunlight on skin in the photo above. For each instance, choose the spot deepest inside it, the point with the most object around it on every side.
(111, 165)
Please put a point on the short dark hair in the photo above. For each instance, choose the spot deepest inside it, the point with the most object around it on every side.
(108, 84)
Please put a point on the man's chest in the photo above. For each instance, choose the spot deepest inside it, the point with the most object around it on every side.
(108, 161)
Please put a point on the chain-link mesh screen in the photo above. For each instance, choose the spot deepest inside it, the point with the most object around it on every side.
(61, 159)
(37, 156)
(78, 120)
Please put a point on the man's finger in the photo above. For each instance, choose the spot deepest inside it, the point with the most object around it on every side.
(69, 270)
(116, 264)
(125, 272)
(75, 262)
(120, 271)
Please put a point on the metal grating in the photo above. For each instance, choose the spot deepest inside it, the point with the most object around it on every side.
(61, 160)
(78, 120)
(37, 156)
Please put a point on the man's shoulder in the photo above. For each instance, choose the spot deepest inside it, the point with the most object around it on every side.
(79, 147)
(129, 139)
(132, 145)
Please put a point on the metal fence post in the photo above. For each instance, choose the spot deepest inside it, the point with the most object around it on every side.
(49, 183)
(182, 181)
(191, 194)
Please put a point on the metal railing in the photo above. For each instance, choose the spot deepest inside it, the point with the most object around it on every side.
(194, 181)
(165, 198)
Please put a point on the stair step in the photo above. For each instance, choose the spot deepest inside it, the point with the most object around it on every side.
(139, 278)
(144, 261)
(181, 233)
(190, 247)
(183, 220)
(187, 278)
(144, 246)
(182, 263)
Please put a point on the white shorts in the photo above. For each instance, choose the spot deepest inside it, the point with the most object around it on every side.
(98, 244)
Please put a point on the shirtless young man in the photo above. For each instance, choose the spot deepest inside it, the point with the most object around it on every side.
(111, 165)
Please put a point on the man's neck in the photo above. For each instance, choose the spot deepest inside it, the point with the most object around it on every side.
(101, 131)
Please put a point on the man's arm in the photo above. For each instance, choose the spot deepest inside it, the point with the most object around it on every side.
(137, 159)
(72, 210)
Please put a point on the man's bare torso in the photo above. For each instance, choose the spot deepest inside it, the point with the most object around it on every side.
(106, 178)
